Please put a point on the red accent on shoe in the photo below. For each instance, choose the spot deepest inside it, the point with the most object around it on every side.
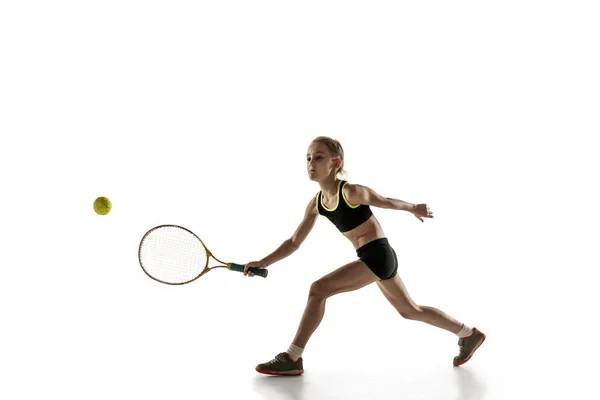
(291, 359)
(473, 352)
(264, 371)
(469, 335)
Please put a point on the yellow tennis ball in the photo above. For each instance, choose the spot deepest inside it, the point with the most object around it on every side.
(102, 205)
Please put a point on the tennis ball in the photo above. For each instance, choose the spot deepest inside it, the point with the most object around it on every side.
(102, 205)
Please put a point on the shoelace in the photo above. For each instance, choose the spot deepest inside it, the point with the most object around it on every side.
(278, 357)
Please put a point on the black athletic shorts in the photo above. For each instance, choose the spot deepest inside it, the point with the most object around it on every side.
(380, 257)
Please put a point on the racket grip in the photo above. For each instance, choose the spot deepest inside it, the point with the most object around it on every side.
(240, 268)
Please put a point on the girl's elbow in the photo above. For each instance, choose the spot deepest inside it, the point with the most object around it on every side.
(295, 243)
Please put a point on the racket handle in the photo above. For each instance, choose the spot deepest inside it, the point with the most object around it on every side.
(240, 268)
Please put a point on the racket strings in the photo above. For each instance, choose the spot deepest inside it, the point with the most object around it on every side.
(172, 255)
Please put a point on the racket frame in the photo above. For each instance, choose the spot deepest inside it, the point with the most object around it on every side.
(209, 254)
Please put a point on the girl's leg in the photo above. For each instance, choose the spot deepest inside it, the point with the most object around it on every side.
(349, 277)
(395, 292)
(469, 338)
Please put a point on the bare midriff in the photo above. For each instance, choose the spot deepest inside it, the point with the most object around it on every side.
(365, 232)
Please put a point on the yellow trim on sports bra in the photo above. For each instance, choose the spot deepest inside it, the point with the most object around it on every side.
(317, 202)
(337, 199)
(346, 200)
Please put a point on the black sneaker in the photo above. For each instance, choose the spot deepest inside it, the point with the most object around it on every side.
(282, 364)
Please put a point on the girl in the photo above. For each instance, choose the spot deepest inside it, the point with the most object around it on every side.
(347, 206)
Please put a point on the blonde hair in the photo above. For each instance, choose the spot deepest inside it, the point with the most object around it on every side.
(336, 150)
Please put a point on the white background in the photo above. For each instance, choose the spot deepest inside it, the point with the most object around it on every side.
(200, 114)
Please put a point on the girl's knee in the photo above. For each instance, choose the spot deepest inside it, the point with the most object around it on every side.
(318, 289)
(414, 313)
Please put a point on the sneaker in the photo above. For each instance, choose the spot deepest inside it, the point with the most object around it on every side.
(468, 345)
(282, 364)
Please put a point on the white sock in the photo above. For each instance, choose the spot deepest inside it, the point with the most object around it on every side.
(295, 352)
(465, 331)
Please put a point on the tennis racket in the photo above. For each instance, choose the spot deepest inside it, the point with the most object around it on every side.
(175, 255)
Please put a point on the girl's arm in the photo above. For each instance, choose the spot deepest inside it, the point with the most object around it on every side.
(359, 194)
(292, 244)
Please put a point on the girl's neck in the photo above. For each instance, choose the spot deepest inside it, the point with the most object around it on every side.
(330, 186)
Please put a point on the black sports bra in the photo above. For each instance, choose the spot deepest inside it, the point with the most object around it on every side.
(344, 215)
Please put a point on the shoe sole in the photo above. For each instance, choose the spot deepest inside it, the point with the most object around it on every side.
(472, 352)
(293, 372)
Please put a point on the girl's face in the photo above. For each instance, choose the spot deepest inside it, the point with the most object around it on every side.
(319, 162)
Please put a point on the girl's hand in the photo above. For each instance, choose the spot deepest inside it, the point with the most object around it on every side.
(253, 264)
(422, 211)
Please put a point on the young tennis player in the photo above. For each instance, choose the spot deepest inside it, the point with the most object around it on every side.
(347, 206)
